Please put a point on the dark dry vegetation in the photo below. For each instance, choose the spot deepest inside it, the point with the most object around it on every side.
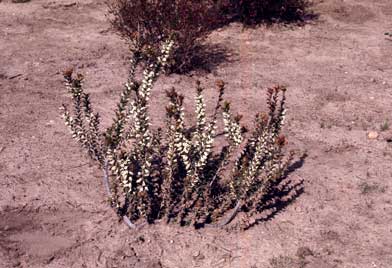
(145, 24)
(252, 12)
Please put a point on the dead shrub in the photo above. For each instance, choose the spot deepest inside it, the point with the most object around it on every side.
(146, 23)
(255, 11)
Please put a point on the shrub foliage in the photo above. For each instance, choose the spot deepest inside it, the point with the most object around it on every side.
(145, 23)
(255, 11)
(176, 173)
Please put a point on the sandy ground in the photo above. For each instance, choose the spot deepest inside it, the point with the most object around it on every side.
(338, 71)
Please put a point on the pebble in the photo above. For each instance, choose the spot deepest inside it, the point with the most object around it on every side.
(372, 135)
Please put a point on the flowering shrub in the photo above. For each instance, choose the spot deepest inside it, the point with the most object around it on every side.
(175, 173)
(145, 23)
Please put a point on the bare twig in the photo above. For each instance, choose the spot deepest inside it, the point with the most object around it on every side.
(131, 225)
(128, 222)
(106, 178)
(231, 216)
(14, 76)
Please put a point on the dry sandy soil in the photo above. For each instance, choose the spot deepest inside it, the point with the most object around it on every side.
(338, 71)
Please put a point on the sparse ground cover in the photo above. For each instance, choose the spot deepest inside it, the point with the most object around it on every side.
(338, 73)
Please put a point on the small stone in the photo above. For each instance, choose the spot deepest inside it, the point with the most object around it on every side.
(372, 135)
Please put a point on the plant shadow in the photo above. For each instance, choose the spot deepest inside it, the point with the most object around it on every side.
(206, 59)
(283, 193)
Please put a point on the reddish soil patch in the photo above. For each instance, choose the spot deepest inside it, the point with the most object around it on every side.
(339, 74)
